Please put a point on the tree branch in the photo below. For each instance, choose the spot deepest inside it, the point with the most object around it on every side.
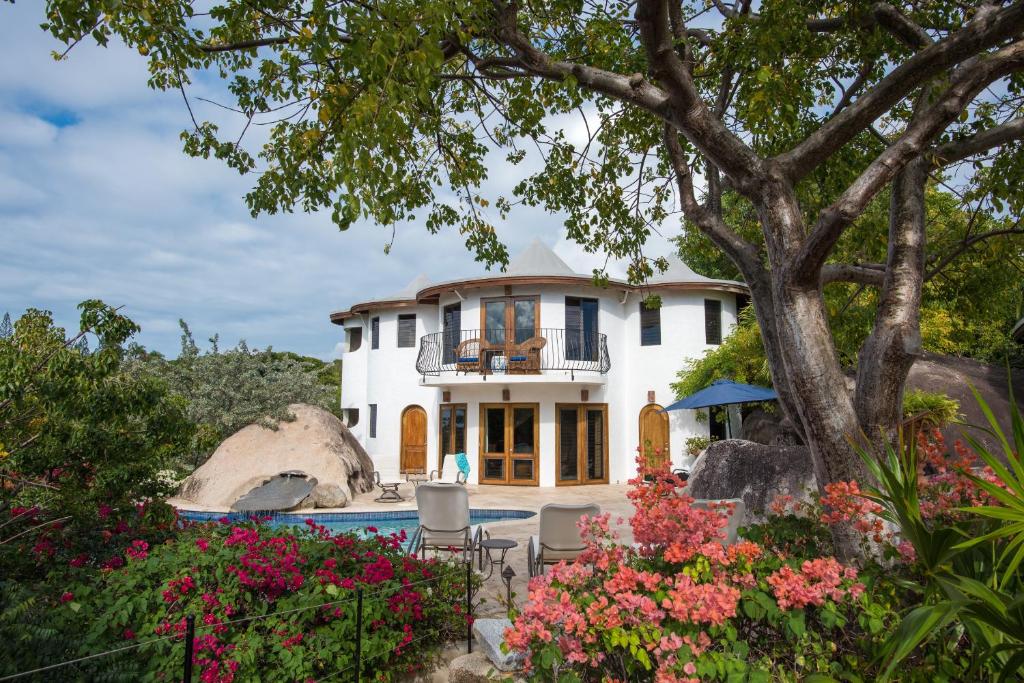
(966, 244)
(958, 150)
(964, 85)
(211, 48)
(989, 27)
(872, 274)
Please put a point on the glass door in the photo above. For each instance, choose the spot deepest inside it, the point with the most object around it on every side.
(581, 328)
(508, 443)
(451, 332)
(453, 431)
(581, 442)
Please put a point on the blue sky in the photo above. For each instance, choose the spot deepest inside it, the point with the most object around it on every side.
(97, 200)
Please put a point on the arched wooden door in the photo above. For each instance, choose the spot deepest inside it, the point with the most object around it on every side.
(654, 434)
(414, 440)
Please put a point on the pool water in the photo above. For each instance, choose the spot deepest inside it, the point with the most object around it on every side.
(386, 522)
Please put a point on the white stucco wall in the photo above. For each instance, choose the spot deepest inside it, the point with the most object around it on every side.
(387, 376)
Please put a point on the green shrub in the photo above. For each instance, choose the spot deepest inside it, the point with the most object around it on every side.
(929, 409)
(269, 604)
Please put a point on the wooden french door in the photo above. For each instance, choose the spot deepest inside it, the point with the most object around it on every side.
(654, 433)
(510, 319)
(453, 431)
(509, 448)
(581, 443)
(414, 440)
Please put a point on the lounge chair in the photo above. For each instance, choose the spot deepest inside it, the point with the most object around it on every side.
(450, 472)
(559, 537)
(444, 520)
(468, 356)
(525, 357)
(736, 519)
(388, 489)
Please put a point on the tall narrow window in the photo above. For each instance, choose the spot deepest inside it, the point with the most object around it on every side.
(451, 331)
(375, 333)
(650, 325)
(373, 420)
(712, 321)
(580, 328)
(406, 330)
(355, 338)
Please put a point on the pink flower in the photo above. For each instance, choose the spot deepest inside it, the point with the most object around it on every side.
(128, 634)
(138, 550)
(67, 596)
(202, 544)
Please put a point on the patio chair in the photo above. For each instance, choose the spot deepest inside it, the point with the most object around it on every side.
(444, 520)
(559, 537)
(388, 489)
(450, 472)
(736, 519)
(468, 356)
(525, 357)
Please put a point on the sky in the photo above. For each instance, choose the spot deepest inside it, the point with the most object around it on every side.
(97, 200)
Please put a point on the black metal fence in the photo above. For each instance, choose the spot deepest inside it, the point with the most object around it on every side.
(524, 351)
(363, 664)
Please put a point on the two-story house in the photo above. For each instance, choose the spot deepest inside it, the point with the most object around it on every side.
(539, 376)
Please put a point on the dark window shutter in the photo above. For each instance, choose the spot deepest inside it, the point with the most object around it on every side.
(713, 321)
(406, 330)
(650, 325)
(375, 333)
(373, 420)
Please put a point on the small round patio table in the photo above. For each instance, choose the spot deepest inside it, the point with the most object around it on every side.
(489, 545)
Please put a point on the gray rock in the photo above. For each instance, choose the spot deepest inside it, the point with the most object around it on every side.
(328, 495)
(490, 634)
(472, 668)
(285, 491)
(754, 472)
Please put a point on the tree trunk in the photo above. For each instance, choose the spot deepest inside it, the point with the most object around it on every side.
(895, 341)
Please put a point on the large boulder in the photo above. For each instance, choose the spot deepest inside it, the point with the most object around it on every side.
(316, 443)
(754, 472)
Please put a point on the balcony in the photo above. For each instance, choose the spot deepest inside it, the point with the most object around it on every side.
(547, 354)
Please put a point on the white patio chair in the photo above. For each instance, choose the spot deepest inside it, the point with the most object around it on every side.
(450, 472)
(736, 519)
(444, 520)
(559, 537)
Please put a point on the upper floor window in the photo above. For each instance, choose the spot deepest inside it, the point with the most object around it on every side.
(712, 321)
(375, 333)
(355, 338)
(650, 325)
(406, 330)
(580, 328)
(373, 420)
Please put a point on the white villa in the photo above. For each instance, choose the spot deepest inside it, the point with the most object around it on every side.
(540, 377)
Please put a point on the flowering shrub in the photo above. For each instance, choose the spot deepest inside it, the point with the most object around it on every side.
(269, 604)
(679, 606)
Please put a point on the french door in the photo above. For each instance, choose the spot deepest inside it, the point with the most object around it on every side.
(509, 443)
(510, 319)
(581, 442)
(451, 332)
(453, 431)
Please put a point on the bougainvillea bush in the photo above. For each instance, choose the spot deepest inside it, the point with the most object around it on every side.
(269, 604)
(678, 605)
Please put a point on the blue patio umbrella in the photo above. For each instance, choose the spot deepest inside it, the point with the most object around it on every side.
(724, 392)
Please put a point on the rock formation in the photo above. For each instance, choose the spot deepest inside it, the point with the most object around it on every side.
(316, 444)
(754, 472)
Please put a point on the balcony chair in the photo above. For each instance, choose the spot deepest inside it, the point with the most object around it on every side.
(559, 537)
(444, 521)
(468, 356)
(451, 472)
(524, 358)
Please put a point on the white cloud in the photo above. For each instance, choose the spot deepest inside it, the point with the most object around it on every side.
(98, 200)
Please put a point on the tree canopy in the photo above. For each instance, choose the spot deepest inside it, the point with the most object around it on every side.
(810, 110)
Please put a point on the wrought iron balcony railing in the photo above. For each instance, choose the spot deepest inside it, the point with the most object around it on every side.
(497, 351)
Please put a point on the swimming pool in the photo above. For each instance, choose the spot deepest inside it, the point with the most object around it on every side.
(385, 521)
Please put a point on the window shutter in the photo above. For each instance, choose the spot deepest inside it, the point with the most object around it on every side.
(406, 330)
(373, 420)
(713, 321)
(650, 325)
(375, 333)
